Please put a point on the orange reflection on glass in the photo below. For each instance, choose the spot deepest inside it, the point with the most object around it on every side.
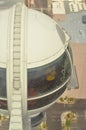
(51, 74)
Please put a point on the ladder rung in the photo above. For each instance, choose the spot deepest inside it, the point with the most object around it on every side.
(16, 51)
(17, 25)
(16, 105)
(16, 35)
(16, 97)
(16, 58)
(16, 126)
(16, 75)
(17, 13)
(16, 55)
(16, 44)
(16, 62)
(16, 92)
(16, 38)
(16, 112)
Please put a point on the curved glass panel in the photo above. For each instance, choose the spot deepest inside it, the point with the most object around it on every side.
(36, 120)
(3, 104)
(70, 51)
(41, 102)
(46, 78)
(61, 33)
(3, 93)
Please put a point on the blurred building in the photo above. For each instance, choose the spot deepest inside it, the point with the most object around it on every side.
(57, 9)
(41, 5)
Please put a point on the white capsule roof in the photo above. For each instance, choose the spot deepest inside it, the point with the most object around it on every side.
(3, 36)
(43, 39)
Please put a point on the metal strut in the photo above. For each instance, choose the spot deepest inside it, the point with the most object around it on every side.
(16, 108)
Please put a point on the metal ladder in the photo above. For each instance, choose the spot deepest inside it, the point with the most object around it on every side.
(16, 108)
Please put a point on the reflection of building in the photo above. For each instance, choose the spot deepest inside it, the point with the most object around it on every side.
(61, 8)
(28, 3)
(57, 8)
(36, 62)
(41, 5)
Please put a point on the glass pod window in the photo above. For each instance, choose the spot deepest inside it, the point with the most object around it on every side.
(41, 102)
(3, 104)
(3, 83)
(3, 91)
(44, 79)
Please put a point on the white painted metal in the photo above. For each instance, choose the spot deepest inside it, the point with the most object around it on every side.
(42, 33)
(16, 106)
(4, 16)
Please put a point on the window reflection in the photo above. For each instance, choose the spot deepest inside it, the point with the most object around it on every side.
(46, 78)
(3, 83)
(41, 102)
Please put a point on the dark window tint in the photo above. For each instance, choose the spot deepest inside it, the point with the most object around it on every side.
(41, 102)
(3, 83)
(3, 104)
(84, 19)
(46, 78)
